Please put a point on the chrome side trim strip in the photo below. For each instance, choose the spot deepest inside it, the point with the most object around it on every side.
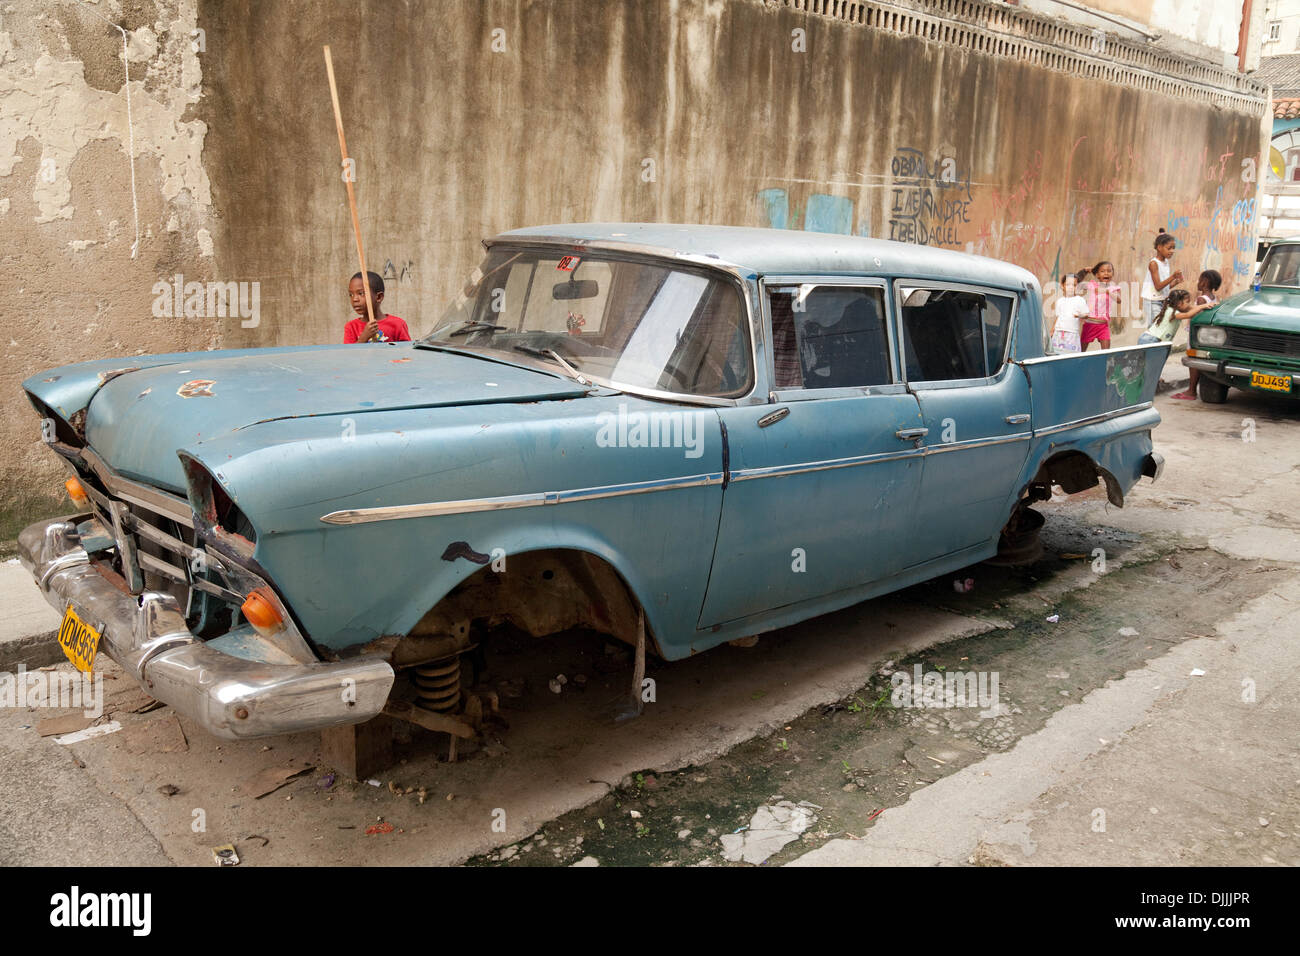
(503, 502)
(782, 471)
(1094, 419)
(469, 505)
(976, 443)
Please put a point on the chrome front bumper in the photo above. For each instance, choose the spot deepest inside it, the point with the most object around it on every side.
(1221, 369)
(227, 696)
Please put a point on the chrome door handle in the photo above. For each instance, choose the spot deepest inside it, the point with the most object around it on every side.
(911, 434)
(771, 418)
(1017, 419)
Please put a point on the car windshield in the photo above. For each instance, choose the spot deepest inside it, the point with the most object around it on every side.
(1281, 266)
(620, 322)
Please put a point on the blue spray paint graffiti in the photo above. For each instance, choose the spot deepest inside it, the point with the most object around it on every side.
(1175, 224)
(774, 207)
(829, 214)
(1243, 224)
(1239, 236)
(824, 213)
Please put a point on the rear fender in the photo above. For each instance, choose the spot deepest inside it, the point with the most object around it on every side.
(1115, 451)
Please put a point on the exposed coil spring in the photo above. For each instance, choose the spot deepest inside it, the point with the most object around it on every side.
(438, 685)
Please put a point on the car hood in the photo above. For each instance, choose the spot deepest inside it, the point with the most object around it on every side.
(138, 419)
(1271, 310)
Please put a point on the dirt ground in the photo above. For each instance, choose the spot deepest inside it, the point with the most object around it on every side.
(855, 758)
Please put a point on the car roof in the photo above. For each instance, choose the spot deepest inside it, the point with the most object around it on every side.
(780, 251)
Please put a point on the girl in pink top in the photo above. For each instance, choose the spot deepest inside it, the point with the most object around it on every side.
(1103, 297)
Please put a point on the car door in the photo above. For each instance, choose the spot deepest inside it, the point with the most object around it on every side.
(975, 410)
(822, 482)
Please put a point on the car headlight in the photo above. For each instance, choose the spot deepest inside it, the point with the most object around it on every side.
(1211, 335)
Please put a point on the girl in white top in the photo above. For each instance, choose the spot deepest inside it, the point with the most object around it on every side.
(1159, 279)
(1070, 308)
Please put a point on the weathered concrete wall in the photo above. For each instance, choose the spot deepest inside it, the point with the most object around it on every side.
(468, 117)
(73, 288)
(732, 111)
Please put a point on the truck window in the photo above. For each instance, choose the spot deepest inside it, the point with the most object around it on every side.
(829, 337)
(1281, 266)
(953, 334)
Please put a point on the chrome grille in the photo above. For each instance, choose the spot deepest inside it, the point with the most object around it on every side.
(161, 556)
(157, 529)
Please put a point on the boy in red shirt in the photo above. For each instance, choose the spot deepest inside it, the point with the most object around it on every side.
(384, 328)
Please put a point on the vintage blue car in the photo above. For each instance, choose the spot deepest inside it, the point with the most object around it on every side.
(675, 435)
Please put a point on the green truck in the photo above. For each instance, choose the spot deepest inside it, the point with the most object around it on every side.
(1252, 340)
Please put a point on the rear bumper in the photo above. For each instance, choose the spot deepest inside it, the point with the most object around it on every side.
(227, 696)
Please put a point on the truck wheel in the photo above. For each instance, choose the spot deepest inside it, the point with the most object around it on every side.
(1211, 392)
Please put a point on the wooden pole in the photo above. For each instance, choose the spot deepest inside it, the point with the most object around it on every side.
(347, 181)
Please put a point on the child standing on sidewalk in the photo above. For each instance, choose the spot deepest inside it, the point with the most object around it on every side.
(1160, 278)
(1207, 285)
(1103, 302)
(1070, 308)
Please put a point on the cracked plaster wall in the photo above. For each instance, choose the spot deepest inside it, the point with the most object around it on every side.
(72, 288)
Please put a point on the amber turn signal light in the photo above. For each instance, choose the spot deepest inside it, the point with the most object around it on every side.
(76, 493)
(260, 611)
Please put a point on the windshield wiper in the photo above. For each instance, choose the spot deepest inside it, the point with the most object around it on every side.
(469, 327)
(552, 354)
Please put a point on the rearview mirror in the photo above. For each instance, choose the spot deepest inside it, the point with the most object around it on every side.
(576, 289)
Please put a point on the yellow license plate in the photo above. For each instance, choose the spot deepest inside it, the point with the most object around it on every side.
(1274, 383)
(80, 641)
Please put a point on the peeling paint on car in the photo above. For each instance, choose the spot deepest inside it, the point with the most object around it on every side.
(196, 388)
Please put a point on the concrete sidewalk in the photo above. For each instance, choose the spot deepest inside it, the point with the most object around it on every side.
(28, 625)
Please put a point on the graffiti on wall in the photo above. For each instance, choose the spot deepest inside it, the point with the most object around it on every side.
(403, 273)
(929, 203)
(1017, 227)
(1238, 238)
(823, 213)
(1053, 215)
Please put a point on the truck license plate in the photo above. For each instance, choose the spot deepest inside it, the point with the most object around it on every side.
(80, 641)
(1273, 383)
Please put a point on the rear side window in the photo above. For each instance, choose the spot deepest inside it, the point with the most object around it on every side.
(953, 334)
(829, 337)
